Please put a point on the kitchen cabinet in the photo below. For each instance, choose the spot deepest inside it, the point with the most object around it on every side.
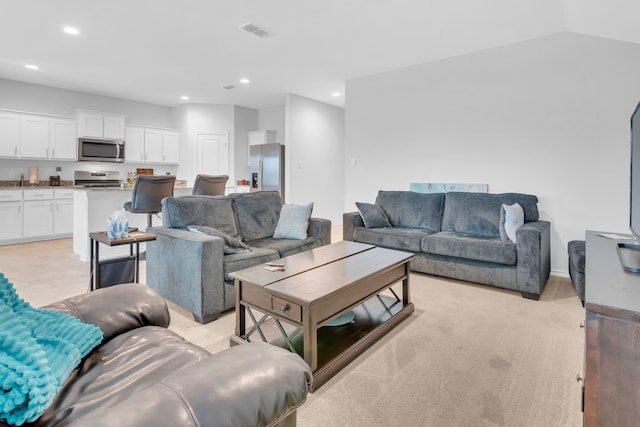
(151, 145)
(170, 147)
(34, 137)
(63, 211)
(10, 214)
(258, 137)
(38, 213)
(9, 134)
(62, 139)
(134, 144)
(96, 124)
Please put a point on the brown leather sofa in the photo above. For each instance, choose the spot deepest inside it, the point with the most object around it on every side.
(143, 374)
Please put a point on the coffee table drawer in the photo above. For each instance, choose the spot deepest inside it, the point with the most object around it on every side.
(286, 308)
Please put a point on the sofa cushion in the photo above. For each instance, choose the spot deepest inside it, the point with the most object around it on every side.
(231, 244)
(211, 211)
(479, 213)
(293, 222)
(239, 261)
(286, 247)
(408, 239)
(412, 210)
(372, 215)
(479, 248)
(257, 213)
(511, 218)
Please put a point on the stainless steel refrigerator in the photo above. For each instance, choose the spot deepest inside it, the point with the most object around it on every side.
(267, 167)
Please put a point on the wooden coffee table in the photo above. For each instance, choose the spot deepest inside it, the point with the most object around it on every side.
(315, 288)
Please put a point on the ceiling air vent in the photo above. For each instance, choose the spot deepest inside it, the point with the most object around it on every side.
(256, 30)
(227, 87)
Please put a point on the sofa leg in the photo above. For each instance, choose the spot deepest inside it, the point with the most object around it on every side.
(528, 295)
(205, 319)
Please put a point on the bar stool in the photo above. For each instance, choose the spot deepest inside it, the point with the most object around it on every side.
(209, 185)
(148, 192)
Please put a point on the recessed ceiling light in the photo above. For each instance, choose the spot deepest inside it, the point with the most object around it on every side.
(245, 81)
(32, 67)
(335, 93)
(184, 97)
(71, 30)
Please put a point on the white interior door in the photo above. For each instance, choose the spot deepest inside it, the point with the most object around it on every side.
(213, 153)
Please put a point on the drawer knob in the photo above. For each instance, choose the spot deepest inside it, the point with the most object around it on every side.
(582, 325)
(579, 378)
(284, 308)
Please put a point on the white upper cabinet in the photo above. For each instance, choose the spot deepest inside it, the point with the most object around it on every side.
(96, 124)
(151, 145)
(257, 137)
(34, 137)
(9, 135)
(171, 146)
(31, 136)
(62, 139)
(134, 144)
(114, 127)
(90, 125)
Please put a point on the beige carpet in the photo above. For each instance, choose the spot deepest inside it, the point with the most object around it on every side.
(470, 355)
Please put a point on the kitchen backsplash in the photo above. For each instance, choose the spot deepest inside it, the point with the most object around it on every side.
(10, 170)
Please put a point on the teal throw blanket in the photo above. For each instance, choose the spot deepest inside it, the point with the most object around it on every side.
(38, 351)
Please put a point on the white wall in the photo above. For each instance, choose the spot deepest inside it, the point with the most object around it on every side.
(245, 120)
(315, 153)
(50, 100)
(549, 116)
(195, 118)
(273, 118)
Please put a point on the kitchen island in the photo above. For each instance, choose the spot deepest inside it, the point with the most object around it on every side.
(92, 206)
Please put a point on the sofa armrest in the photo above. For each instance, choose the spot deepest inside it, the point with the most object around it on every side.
(253, 384)
(350, 220)
(117, 309)
(187, 268)
(320, 227)
(534, 256)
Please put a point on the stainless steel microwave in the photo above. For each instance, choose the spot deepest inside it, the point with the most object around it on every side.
(100, 150)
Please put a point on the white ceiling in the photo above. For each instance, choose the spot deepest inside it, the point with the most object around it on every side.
(157, 50)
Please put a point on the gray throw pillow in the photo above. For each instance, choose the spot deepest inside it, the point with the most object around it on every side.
(293, 222)
(372, 215)
(511, 218)
(231, 244)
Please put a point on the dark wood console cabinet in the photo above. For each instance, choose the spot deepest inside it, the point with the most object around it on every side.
(612, 342)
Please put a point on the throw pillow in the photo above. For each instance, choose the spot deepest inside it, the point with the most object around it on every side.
(231, 244)
(372, 215)
(39, 349)
(293, 222)
(511, 218)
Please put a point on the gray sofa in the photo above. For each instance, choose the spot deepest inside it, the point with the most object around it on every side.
(192, 269)
(458, 235)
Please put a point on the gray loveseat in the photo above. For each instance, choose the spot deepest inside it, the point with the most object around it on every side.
(458, 235)
(192, 270)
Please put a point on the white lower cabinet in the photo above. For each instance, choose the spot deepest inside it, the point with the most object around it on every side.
(10, 214)
(62, 212)
(38, 213)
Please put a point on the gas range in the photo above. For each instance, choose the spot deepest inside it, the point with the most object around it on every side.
(97, 179)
